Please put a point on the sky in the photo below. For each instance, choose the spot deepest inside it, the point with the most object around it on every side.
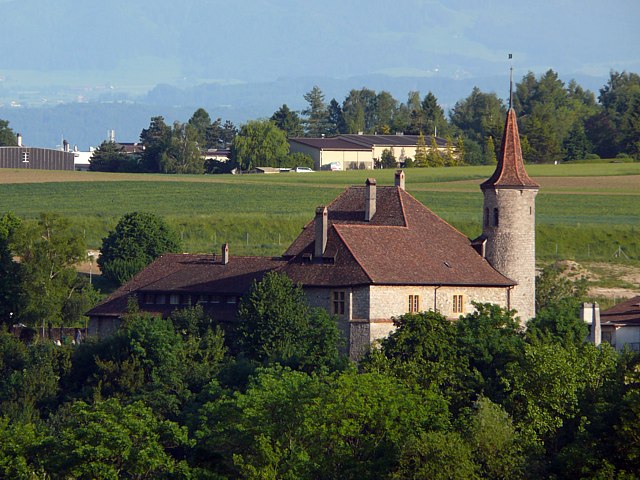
(133, 45)
(103, 65)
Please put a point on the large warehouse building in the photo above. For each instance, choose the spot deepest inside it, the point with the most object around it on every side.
(37, 158)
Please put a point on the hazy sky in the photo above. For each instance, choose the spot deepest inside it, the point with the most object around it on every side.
(135, 44)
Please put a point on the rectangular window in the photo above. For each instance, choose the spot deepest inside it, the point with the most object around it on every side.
(414, 303)
(161, 300)
(458, 304)
(174, 299)
(202, 299)
(338, 303)
(149, 298)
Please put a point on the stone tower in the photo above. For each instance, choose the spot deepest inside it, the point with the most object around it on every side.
(509, 226)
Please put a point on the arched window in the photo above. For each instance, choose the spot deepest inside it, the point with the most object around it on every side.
(495, 217)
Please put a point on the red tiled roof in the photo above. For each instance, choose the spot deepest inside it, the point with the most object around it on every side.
(404, 244)
(510, 171)
(625, 313)
(186, 273)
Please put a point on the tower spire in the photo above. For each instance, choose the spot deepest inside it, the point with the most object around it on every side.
(511, 83)
(510, 171)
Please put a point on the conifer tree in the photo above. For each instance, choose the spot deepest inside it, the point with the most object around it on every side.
(434, 159)
(490, 152)
(420, 159)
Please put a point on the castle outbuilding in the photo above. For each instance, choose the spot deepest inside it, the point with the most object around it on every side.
(373, 254)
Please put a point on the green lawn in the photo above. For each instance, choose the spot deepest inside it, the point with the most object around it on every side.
(584, 209)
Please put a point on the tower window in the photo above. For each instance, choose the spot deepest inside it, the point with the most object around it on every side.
(486, 217)
(495, 217)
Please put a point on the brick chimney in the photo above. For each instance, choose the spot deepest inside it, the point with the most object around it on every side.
(322, 228)
(225, 253)
(400, 179)
(370, 199)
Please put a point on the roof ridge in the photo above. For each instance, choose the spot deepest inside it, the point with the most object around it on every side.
(404, 212)
(346, 244)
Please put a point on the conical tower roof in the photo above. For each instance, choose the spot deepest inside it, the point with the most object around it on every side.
(510, 172)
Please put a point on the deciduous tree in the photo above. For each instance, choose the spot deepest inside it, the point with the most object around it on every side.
(136, 241)
(259, 144)
(49, 251)
(7, 137)
(277, 325)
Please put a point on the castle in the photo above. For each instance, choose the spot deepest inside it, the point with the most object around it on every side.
(372, 254)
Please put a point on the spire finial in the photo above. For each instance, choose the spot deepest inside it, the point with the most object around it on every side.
(511, 83)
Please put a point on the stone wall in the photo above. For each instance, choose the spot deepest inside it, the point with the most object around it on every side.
(511, 244)
(391, 301)
(369, 310)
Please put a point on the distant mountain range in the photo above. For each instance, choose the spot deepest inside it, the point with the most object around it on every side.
(87, 123)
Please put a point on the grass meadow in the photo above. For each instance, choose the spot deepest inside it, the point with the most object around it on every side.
(584, 211)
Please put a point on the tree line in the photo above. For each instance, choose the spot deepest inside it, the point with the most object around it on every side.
(558, 122)
(272, 397)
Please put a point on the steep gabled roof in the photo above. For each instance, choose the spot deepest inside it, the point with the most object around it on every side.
(510, 171)
(405, 243)
(625, 313)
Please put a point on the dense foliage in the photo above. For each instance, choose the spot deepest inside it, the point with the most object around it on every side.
(557, 121)
(137, 240)
(39, 284)
(185, 397)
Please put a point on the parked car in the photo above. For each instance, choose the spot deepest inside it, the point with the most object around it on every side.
(302, 170)
(335, 166)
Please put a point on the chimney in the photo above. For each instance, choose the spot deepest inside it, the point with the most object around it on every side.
(225, 253)
(586, 312)
(370, 199)
(322, 228)
(400, 179)
(65, 146)
(19, 139)
(596, 330)
(590, 314)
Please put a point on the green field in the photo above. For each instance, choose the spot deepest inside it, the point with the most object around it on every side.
(583, 210)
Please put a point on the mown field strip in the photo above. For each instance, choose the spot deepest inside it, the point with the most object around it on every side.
(261, 214)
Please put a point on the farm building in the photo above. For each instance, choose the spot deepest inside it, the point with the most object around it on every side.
(619, 325)
(372, 254)
(357, 151)
(21, 156)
